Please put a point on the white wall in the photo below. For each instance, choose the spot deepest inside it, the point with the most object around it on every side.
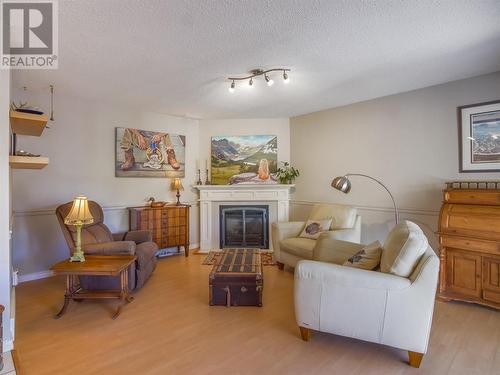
(80, 145)
(271, 126)
(409, 141)
(5, 251)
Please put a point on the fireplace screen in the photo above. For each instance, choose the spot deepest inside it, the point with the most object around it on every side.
(244, 226)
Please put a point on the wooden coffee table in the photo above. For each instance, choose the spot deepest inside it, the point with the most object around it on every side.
(95, 265)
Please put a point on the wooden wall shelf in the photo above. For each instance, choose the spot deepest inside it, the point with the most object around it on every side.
(27, 162)
(27, 123)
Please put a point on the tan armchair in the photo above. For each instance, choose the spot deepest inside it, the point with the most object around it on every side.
(289, 248)
(97, 239)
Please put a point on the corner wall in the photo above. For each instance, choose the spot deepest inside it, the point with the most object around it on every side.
(409, 141)
(80, 145)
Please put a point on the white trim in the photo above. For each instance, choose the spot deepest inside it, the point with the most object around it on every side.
(48, 273)
(8, 345)
(35, 276)
(413, 211)
(52, 211)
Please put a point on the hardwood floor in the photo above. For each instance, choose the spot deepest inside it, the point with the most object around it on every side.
(170, 329)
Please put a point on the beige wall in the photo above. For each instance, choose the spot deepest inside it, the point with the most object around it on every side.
(409, 141)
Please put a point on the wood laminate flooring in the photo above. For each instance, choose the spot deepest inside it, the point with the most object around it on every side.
(170, 329)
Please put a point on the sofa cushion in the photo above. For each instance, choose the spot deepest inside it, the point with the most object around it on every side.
(343, 217)
(314, 228)
(145, 252)
(301, 247)
(403, 248)
(368, 258)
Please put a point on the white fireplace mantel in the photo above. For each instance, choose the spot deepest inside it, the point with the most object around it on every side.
(277, 196)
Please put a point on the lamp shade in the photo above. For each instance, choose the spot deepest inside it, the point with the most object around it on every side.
(79, 214)
(342, 184)
(177, 184)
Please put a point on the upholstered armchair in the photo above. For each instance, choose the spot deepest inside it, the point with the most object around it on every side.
(97, 239)
(375, 306)
(289, 248)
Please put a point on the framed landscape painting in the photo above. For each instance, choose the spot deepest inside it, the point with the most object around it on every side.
(479, 136)
(248, 159)
(144, 153)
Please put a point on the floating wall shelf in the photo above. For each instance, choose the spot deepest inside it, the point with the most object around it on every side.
(27, 123)
(28, 162)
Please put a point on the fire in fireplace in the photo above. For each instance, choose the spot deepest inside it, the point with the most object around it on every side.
(244, 226)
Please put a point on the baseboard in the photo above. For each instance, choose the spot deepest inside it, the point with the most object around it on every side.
(35, 276)
(48, 273)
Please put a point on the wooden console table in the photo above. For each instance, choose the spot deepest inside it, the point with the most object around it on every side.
(169, 224)
(469, 238)
(95, 265)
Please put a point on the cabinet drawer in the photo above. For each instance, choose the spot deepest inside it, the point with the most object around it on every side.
(471, 244)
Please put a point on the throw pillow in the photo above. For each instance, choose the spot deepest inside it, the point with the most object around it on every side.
(403, 248)
(368, 258)
(314, 228)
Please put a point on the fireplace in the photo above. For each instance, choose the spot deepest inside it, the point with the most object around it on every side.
(244, 226)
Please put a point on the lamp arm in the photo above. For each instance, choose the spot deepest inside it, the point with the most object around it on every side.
(396, 212)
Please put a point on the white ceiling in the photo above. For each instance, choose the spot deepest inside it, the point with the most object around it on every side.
(173, 56)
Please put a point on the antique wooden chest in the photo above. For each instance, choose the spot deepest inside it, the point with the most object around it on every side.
(237, 278)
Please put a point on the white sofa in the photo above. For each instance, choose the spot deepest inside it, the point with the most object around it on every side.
(368, 305)
(289, 248)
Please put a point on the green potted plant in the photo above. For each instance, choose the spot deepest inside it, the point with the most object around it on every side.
(286, 173)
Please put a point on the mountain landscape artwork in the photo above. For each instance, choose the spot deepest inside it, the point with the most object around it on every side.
(249, 159)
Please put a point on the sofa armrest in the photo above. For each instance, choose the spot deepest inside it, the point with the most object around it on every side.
(280, 231)
(139, 236)
(330, 249)
(348, 277)
(110, 248)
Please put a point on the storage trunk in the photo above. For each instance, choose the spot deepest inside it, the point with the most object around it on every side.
(237, 279)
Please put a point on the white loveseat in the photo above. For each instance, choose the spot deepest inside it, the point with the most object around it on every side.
(289, 248)
(369, 305)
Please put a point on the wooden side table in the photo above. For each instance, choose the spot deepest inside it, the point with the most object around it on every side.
(169, 224)
(95, 265)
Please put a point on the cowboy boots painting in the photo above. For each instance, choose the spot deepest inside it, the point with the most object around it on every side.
(171, 159)
(129, 160)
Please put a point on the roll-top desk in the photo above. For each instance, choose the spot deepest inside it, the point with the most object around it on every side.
(169, 224)
(469, 237)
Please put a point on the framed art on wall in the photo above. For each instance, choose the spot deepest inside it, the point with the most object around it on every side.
(247, 159)
(144, 153)
(479, 137)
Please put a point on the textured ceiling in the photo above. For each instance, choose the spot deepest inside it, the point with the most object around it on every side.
(173, 56)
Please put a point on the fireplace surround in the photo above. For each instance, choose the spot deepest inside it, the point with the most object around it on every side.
(212, 197)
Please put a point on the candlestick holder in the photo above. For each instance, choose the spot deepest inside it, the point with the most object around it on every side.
(199, 182)
(207, 181)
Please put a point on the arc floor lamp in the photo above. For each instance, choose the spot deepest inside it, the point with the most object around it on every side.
(343, 184)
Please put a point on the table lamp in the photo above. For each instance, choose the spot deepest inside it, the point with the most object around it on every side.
(78, 217)
(177, 185)
(343, 184)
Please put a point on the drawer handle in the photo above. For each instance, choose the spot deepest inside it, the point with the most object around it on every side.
(243, 289)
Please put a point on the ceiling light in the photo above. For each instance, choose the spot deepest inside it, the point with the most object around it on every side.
(259, 72)
(285, 77)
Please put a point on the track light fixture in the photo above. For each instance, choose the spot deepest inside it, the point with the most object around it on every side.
(231, 89)
(259, 72)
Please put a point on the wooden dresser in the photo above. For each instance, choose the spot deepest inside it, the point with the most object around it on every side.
(169, 224)
(469, 230)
